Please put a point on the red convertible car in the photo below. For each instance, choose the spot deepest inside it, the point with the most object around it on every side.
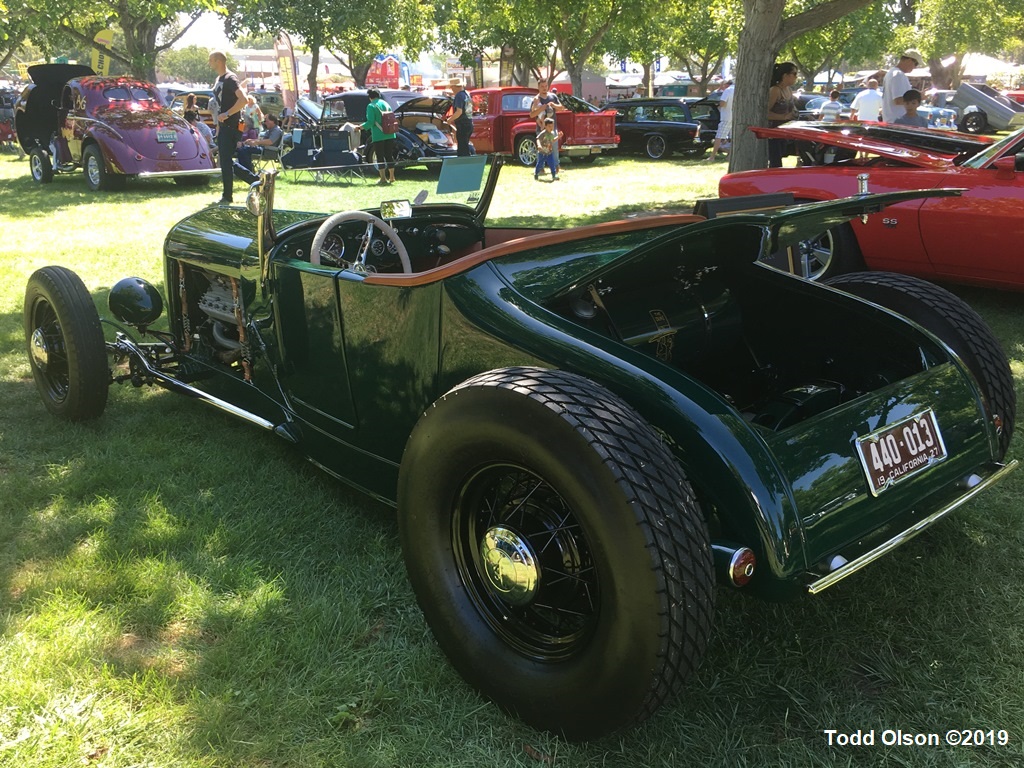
(112, 128)
(967, 239)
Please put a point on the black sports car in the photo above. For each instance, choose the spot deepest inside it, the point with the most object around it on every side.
(660, 126)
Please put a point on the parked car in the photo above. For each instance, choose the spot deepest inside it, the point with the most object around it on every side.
(811, 109)
(581, 429)
(657, 127)
(983, 108)
(938, 110)
(963, 240)
(270, 102)
(202, 97)
(502, 123)
(422, 132)
(113, 128)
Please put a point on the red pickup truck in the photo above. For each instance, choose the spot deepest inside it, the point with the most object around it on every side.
(502, 123)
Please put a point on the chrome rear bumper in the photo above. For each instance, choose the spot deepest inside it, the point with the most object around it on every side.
(855, 565)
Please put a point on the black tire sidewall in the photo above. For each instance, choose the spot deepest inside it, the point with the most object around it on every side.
(483, 426)
(88, 373)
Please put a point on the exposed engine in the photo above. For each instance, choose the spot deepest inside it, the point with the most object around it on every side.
(216, 318)
(218, 302)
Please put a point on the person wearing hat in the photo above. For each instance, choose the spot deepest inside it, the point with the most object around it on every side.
(896, 83)
(461, 117)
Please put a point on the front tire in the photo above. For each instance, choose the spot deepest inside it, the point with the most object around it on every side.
(40, 166)
(556, 549)
(526, 151)
(957, 324)
(66, 350)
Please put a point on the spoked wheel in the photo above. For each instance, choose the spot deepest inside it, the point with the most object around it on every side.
(525, 561)
(556, 549)
(65, 345)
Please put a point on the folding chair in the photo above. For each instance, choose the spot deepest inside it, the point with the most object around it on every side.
(269, 157)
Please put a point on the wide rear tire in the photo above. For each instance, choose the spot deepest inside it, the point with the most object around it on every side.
(556, 549)
(957, 324)
(66, 350)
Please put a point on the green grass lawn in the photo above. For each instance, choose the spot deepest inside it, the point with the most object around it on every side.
(180, 589)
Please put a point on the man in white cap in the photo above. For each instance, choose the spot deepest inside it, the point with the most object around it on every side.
(897, 83)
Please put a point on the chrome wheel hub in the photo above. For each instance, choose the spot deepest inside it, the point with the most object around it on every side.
(510, 566)
(38, 349)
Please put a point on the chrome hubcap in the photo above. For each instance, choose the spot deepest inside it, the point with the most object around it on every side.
(510, 566)
(40, 353)
(93, 170)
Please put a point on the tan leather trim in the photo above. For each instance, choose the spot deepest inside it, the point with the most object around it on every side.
(554, 237)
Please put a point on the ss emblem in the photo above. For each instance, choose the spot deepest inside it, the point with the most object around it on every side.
(890, 222)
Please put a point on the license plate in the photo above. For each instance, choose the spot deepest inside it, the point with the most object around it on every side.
(900, 451)
(166, 137)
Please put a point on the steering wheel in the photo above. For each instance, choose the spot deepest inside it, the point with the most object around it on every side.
(359, 264)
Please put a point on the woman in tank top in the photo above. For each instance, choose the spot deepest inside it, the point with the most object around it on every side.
(781, 107)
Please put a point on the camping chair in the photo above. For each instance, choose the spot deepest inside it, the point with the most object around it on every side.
(269, 157)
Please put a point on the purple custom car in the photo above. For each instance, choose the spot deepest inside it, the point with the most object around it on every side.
(112, 127)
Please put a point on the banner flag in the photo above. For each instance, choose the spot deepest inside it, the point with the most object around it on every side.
(286, 69)
(100, 60)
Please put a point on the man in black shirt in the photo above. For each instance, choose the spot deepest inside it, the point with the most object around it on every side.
(230, 99)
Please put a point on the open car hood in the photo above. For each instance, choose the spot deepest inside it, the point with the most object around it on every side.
(734, 240)
(55, 75)
(917, 147)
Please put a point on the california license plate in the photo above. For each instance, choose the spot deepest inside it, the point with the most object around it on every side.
(900, 451)
(166, 136)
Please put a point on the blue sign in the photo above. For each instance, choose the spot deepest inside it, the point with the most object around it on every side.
(622, 65)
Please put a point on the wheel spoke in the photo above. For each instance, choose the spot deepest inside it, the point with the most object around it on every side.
(554, 620)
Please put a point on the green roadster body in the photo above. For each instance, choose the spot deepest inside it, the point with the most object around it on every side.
(582, 429)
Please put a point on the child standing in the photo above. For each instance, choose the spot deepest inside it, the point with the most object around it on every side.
(832, 108)
(547, 149)
(911, 101)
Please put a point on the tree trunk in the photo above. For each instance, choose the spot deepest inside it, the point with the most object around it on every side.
(945, 78)
(575, 71)
(758, 47)
(764, 33)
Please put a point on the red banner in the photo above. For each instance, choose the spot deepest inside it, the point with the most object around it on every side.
(286, 69)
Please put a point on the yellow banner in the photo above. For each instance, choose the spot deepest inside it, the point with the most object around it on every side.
(100, 60)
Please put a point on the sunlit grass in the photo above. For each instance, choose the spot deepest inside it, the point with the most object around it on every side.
(177, 589)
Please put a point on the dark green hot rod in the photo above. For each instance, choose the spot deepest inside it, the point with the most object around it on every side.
(583, 430)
